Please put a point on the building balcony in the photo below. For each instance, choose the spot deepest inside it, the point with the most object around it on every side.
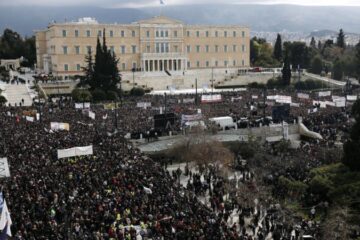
(169, 55)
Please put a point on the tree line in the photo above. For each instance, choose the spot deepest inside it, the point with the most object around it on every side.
(13, 46)
(333, 57)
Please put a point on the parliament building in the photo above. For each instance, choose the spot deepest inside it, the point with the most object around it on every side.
(155, 45)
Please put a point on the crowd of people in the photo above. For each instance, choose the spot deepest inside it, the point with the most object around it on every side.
(118, 192)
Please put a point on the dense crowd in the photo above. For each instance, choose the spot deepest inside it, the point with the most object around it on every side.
(119, 193)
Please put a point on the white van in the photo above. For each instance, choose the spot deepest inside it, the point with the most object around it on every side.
(224, 122)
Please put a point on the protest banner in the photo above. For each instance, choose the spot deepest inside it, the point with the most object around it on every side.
(75, 152)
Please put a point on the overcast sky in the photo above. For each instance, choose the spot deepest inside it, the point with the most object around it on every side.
(145, 3)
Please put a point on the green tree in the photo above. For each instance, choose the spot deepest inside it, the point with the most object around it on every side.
(316, 65)
(278, 48)
(105, 70)
(357, 60)
(337, 71)
(2, 100)
(81, 95)
(286, 71)
(340, 42)
(88, 70)
(137, 92)
(319, 46)
(352, 146)
(313, 43)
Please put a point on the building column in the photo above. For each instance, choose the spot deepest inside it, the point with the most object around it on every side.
(175, 65)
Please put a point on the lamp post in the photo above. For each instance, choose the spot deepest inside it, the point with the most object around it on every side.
(133, 74)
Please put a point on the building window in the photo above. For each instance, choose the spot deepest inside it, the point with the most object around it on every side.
(198, 48)
(78, 67)
(243, 33)
(147, 34)
(99, 33)
(123, 50)
(188, 33)
(65, 50)
(111, 33)
(133, 33)
(207, 48)
(225, 63)
(66, 67)
(216, 63)
(88, 49)
(198, 64)
(64, 33)
(157, 34)
(216, 34)
(207, 33)
(122, 33)
(234, 33)
(148, 49)
(166, 34)
(243, 48)
(157, 47)
(225, 48)
(243, 63)
(112, 49)
(123, 66)
(134, 65)
(76, 33)
(197, 34)
(216, 48)
(133, 47)
(167, 47)
(176, 48)
(88, 33)
(207, 64)
(234, 63)
(225, 33)
(188, 64)
(188, 48)
(77, 49)
(234, 48)
(175, 34)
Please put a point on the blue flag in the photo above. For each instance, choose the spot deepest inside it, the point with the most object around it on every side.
(3, 235)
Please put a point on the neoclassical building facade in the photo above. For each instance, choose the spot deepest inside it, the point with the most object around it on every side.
(154, 45)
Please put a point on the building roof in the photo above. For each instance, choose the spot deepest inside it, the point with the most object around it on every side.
(159, 20)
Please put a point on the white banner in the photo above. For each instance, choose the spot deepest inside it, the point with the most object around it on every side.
(92, 115)
(59, 126)
(143, 104)
(188, 100)
(75, 151)
(82, 105)
(303, 96)
(321, 103)
(280, 98)
(324, 94)
(29, 119)
(351, 98)
(211, 98)
(235, 99)
(4, 168)
(340, 102)
(254, 97)
(294, 104)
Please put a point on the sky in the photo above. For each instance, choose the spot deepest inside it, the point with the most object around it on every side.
(149, 3)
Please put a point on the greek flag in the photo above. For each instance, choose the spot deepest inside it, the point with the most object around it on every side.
(162, 2)
(5, 219)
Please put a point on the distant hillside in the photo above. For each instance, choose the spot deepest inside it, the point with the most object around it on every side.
(269, 18)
